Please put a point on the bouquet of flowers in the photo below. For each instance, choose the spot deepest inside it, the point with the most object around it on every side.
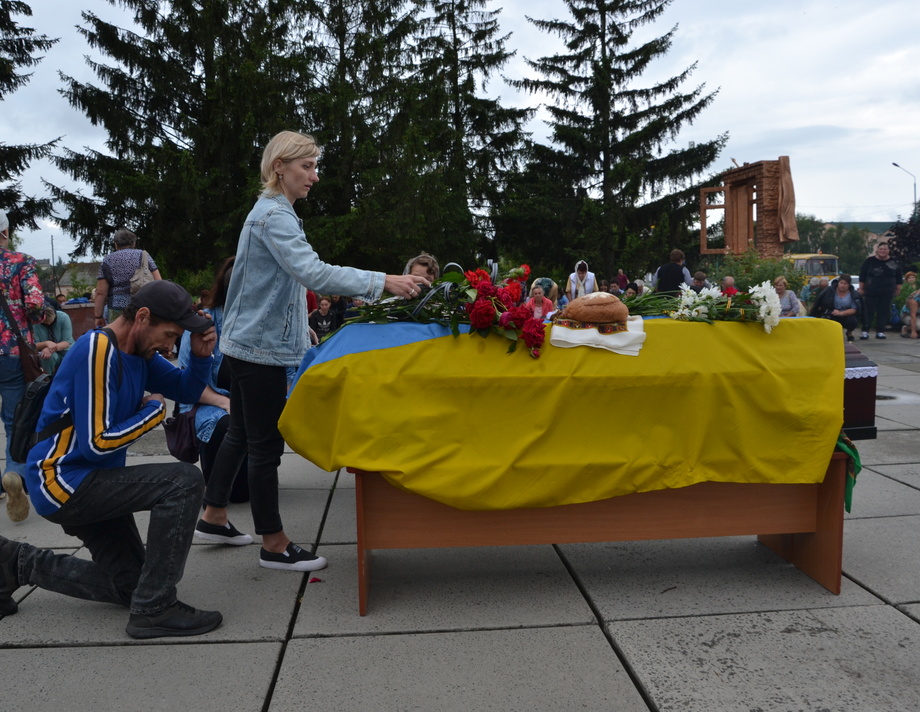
(475, 297)
(760, 303)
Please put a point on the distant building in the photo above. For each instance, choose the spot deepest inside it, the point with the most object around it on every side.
(875, 231)
(78, 278)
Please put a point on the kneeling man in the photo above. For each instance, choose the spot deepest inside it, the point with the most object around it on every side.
(77, 477)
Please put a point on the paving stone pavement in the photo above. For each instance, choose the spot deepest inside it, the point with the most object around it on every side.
(692, 625)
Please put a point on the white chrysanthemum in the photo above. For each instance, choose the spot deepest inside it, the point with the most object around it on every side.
(711, 293)
(766, 299)
(687, 296)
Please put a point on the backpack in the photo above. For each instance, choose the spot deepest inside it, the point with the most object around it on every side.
(142, 275)
(25, 418)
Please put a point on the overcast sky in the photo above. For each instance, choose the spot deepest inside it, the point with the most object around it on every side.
(833, 85)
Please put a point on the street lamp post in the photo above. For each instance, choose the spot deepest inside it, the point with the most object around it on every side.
(915, 182)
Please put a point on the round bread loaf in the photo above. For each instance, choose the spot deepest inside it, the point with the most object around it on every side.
(599, 307)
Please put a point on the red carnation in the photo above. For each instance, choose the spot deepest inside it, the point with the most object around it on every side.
(520, 315)
(514, 289)
(482, 315)
(486, 289)
(532, 333)
(475, 278)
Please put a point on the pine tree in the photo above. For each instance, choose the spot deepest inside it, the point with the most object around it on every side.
(194, 92)
(476, 140)
(366, 210)
(905, 245)
(632, 197)
(18, 48)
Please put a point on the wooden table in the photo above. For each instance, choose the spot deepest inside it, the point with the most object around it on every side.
(713, 430)
(803, 523)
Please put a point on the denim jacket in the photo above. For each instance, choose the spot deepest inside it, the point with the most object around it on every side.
(265, 317)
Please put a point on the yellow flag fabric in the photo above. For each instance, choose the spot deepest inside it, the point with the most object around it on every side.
(459, 420)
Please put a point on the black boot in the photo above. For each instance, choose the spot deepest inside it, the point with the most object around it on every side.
(9, 575)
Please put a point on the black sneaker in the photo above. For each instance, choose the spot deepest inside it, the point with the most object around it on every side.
(880, 335)
(177, 620)
(291, 559)
(864, 335)
(9, 575)
(227, 534)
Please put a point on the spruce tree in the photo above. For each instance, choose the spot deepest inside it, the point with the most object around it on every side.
(366, 211)
(630, 197)
(194, 91)
(475, 139)
(18, 48)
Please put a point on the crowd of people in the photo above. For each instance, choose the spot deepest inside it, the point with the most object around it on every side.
(234, 370)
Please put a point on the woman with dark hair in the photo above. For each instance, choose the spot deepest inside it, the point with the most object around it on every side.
(424, 265)
(840, 302)
(212, 418)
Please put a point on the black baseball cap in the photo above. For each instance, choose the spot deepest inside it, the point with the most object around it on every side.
(170, 302)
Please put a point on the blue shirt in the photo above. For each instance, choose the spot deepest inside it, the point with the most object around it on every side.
(102, 388)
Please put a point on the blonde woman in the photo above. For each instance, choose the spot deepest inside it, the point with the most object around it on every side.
(264, 333)
(789, 303)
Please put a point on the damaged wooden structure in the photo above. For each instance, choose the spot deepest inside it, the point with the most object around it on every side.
(759, 205)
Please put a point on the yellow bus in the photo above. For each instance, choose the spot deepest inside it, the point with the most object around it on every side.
(815, 264)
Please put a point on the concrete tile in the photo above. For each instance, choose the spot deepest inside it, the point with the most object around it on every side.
(878, 496)
(302, 513)
(912, 610)
(897, 358)
(204, 678)
(885, 424)
(296, 472)
(890, 448)
(841, 659)
(899, 381)
(503, 670)
(883, 555)
(36, 530)
(442, 589)
(909, 473)
(223, 578)
(906, 415)
(696, 577)
(340, 526)
(346, 480)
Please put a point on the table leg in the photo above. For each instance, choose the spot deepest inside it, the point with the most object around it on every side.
(819, 554)
(363, 553)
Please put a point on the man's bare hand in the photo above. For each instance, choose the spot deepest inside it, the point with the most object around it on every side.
(154, 397)
(203, 343)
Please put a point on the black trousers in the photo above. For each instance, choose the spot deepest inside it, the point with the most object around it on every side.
(208, 453)
(877, 309)
(258, 394)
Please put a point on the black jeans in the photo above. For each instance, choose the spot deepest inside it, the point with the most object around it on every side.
(207, 452)
(101, 514)
(878, 308)
(257, 397)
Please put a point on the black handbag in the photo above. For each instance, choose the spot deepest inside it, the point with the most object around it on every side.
(181, 438)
